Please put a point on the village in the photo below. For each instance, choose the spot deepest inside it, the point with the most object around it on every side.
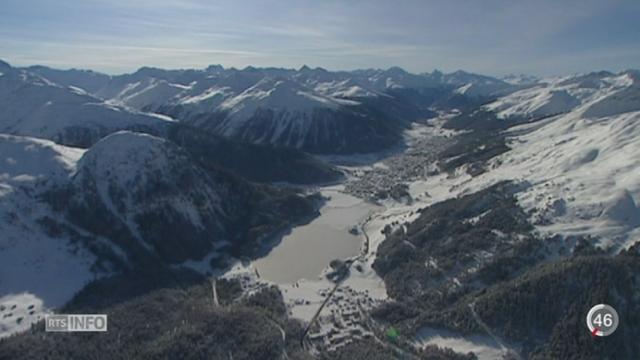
(388, 179)
(343, 320)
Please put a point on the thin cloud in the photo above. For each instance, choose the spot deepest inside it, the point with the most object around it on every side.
(491, 36)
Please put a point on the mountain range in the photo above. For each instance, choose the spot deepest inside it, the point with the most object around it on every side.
(314, 110)
(111, 174)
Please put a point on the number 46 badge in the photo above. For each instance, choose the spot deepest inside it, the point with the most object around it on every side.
(602, 320)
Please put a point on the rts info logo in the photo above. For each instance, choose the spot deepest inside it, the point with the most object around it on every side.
(76, 322)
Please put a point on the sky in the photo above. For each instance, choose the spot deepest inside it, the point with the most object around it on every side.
(495, 37)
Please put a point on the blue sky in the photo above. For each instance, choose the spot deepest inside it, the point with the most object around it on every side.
(542, 37)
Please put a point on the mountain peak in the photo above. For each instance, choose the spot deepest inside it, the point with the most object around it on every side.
(251, 69)
(125, 139)
(4, 65)
(214, 68)
(396, 70)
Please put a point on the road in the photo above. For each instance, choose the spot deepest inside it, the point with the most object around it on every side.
(326, 300)
(283, 333)
(367, 241)
(487, 329)
(348, 263)
(214, 292)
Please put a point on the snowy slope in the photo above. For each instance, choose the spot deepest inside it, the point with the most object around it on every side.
(147, 94)
(348, 89)
(36, 158)
(623, 96)
(87, 80)
(616, 93)
(33, 106)
(305, 109)
(159, 204)
(292, 101)
(520, 79)
(205, 95)
(38, 270)
(150, 189)
(579, 170)
(394, 78)
(284, 113)
(475, 85)
(534, 103)
(584, 175)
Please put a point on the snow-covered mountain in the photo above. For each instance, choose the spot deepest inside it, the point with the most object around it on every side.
(152, 199)
(280, 111)
(284, 113)
(578, 166)
(315, 110)
(603, 93)
(176, 192)
(132, 200)
(88, 80)
(520, 79)
(31, 105)
(4, 66)
(149, 190)
(583, 173)
(474, 85)
(34, 256)
(149, 93)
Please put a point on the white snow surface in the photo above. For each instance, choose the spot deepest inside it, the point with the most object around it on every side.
(18, 312)
(149, 92)
(33, 106)
(35, 268)
(132, 163)
(277, 93)
(597, 94)
(483, 346)
(590, 166)
(520, 79)
(580, 175)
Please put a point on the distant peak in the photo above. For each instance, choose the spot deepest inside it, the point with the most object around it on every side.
(4, 65)
(633, 74)
(396, 70)
(125, 140)
(214, 68)
(601, 73)
(148, 71)
(277, 83)
(460, 73)
(146, 68)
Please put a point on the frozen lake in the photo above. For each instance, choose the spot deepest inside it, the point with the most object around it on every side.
(307, 250)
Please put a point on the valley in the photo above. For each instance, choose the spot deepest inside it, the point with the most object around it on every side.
(319, 214)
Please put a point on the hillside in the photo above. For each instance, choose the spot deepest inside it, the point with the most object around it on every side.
(524, 236)
(151, 198)
(33, 106)
(253, 162)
